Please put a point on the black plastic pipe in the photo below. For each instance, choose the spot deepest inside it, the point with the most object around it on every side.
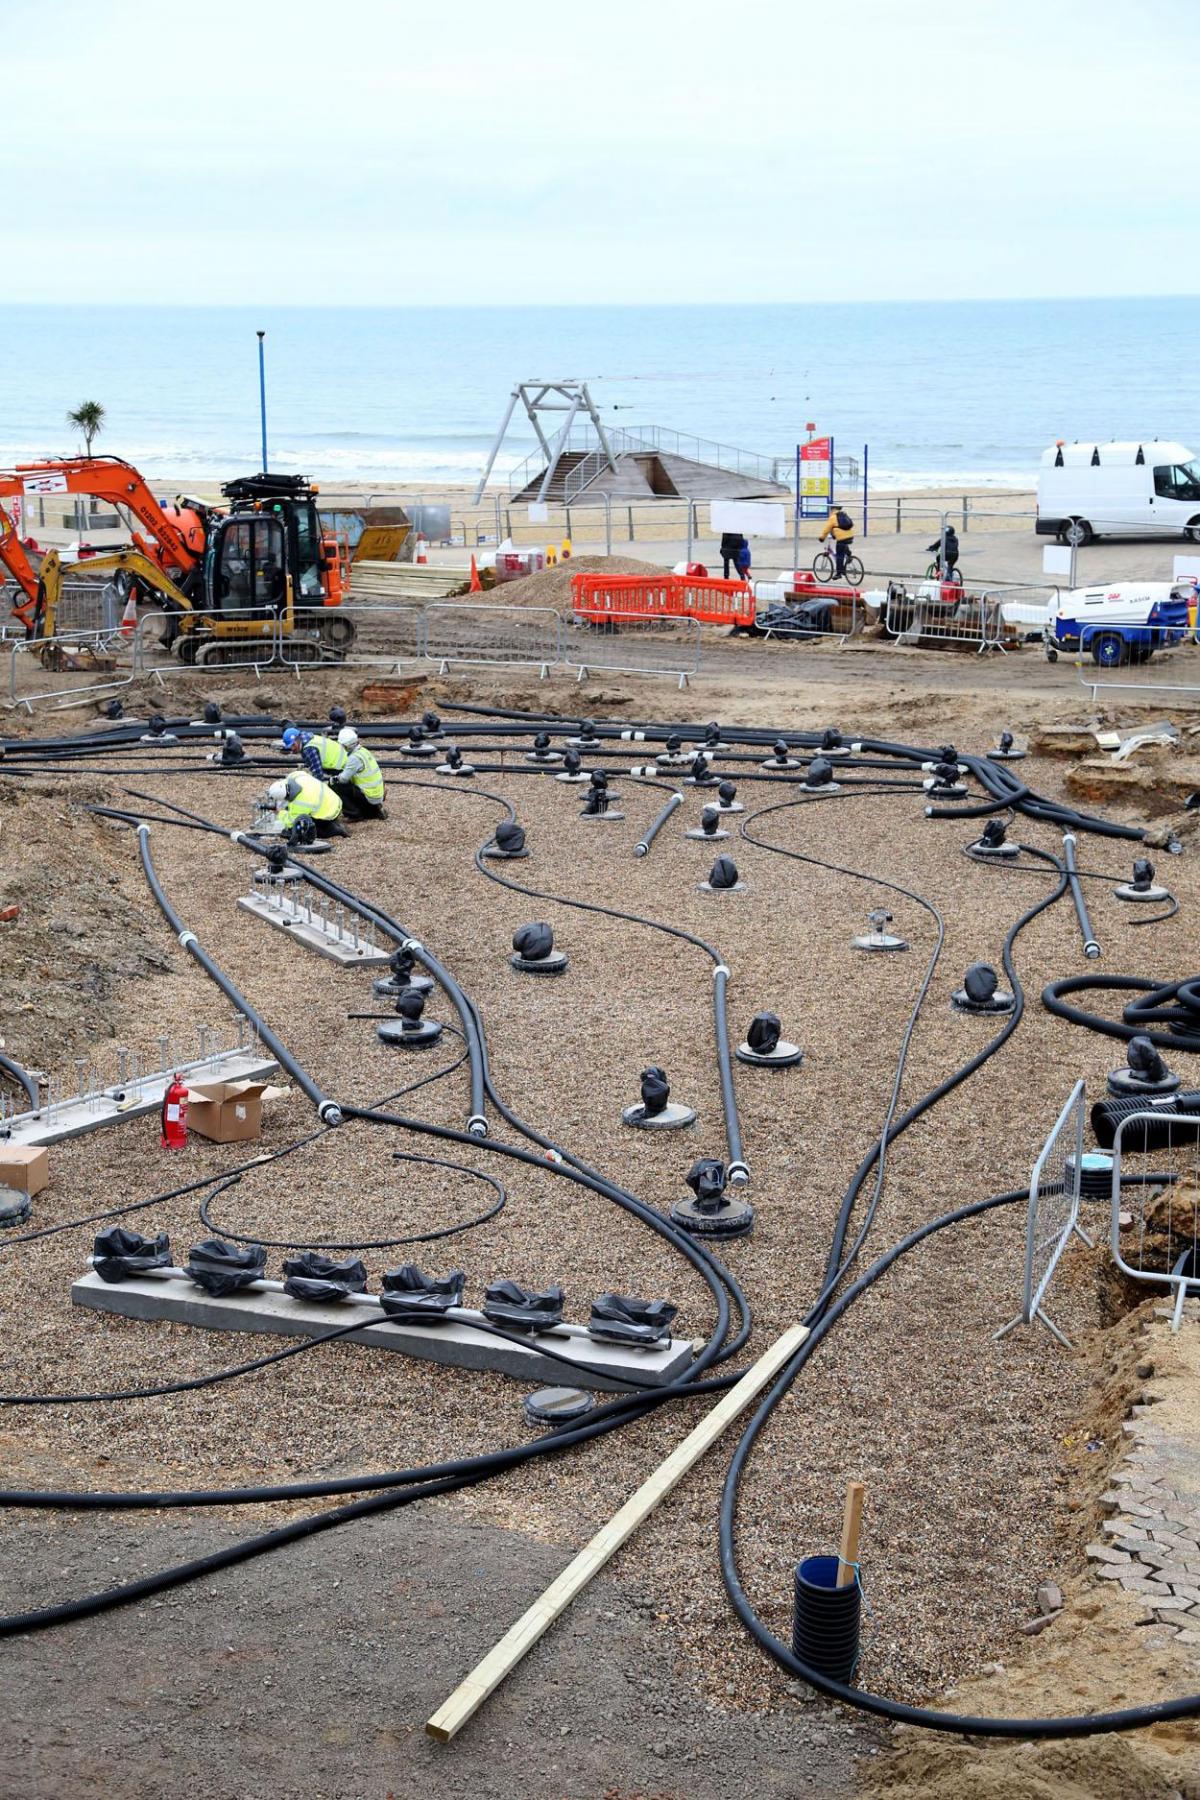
(328, 1111)
(642, 847)
(1091, 949)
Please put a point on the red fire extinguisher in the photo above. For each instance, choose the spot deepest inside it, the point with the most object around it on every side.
(174, 1116)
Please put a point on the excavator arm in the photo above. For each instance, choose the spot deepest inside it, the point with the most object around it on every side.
(179, 540)
(15, 558)
(44, 618)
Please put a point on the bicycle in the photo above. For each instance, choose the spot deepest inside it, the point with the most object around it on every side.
(825, 568)
(934, 573)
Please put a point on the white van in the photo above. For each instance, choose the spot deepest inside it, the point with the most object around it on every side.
(1118, 490)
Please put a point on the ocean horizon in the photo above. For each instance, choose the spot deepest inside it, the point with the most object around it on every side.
(942, 392)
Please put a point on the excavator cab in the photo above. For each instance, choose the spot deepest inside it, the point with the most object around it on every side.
(245, 568)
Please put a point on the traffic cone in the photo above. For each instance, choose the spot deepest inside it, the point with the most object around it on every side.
(422, 548)
(476, 585)
(129, 617)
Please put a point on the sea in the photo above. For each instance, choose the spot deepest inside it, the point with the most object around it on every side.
(937, 393)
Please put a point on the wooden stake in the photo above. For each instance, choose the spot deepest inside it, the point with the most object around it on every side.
(487, 1675)
(856, 1493)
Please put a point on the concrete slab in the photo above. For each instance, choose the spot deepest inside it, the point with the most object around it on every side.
(316, 934)
(265, 1308)
(72, 1118)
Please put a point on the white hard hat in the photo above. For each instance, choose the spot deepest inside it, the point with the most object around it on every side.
(277, 792)
(348, 737)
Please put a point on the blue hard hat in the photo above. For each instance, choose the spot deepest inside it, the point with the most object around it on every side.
(291, 737)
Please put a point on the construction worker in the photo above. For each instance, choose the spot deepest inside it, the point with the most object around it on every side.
(322, 756)
(303, 796)
(360, 784)
(841, 526)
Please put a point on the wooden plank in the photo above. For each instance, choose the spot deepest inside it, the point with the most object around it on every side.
(487, 1675)
(851, 1526)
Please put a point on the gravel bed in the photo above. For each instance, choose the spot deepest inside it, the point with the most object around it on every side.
(960, 1439)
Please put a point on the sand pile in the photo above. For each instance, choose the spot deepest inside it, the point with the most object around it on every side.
(552, 587)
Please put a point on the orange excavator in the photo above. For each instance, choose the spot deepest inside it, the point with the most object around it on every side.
(259, 567)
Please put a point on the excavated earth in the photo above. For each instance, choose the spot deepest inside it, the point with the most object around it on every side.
(983, 1459)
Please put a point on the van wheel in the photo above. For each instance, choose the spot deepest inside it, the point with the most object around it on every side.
(1075, 531)
(1191, 531)
(1109, 650)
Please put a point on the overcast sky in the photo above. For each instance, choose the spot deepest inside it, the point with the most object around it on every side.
(485, 151)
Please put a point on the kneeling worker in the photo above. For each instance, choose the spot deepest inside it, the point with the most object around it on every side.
(322, 756)
(302, 796)
(359, 786)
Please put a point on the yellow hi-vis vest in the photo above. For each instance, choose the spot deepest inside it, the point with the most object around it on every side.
(362, 769)
(314, 799)
(332, 754)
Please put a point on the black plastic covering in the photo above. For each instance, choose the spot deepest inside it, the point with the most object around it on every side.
(312, 1276)
(619, 1319)
(212, 713)
(994, 833)
(534, 942)
(699, 770)
(710, 819)
(1145, 1061)
(156, 725)
(706, 1179)
(232, 748)
(980, 983)
(220, 1268)
(572, 761)
(118, 1253)
(724, 873)
(337, 716)
(1143, 873)
(727, 793)
(523, 1309)
(655, 1090)
(302, 832)
(945, 773)
(510, 836)
(432, 723)
(831, 739)
(414, 1298)
(410, 1004)
(763, 1035)
(820, 772)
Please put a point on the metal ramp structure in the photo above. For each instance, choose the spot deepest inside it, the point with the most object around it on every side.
(628, 463)
(541, 398)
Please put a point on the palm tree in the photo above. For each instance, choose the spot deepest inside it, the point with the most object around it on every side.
(88, 418)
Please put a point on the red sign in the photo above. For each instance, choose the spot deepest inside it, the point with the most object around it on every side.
(816, 450)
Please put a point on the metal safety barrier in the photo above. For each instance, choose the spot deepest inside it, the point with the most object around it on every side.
(1053, 1214)
(1155, 1231)
(943, 612)
(1160, 663)
(517, 637)
(633, 645)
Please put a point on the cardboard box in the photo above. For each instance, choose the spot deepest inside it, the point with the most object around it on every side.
(24, 1166)
(226, 1111)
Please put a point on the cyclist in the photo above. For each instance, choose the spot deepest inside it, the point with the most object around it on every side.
(946, 551)
(841, 526)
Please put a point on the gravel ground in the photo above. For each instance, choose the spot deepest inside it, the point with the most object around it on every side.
(968, 1447)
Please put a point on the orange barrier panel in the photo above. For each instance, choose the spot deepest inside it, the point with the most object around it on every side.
(709, 601)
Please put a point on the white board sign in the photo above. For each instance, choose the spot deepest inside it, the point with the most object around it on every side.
(1058, 559)
(539, 512)
(45, 484)
(753, 518)
(1187, 568)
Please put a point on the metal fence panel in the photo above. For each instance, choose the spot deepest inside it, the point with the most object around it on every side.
(1053, 1214)
(511, 636)
(633, 645)
(1155, 1233)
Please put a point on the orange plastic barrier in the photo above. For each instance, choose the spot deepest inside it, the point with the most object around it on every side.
(712, 602)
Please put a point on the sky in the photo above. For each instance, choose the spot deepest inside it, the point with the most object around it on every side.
(275, 151)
